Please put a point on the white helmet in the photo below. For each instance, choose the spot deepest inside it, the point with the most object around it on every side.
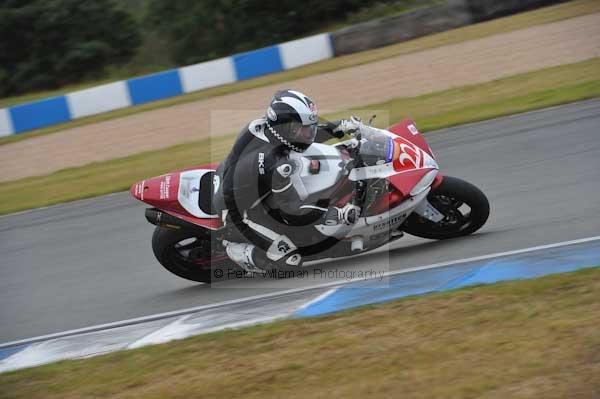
(292, 119)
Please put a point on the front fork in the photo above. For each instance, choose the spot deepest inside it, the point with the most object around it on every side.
(428, 211)
(425, 209)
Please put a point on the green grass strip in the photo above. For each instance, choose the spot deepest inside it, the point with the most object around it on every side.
(527, 339)
(520, 93)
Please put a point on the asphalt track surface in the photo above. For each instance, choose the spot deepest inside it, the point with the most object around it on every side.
(89, 262)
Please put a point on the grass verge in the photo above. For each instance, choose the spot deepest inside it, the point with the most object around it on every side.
(506, 96)
(523, 339)
(476, 31)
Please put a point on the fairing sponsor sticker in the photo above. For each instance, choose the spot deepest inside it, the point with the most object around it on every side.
(413, 129)
(165, 186)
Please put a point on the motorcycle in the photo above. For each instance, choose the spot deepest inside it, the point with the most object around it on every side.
(392, 174)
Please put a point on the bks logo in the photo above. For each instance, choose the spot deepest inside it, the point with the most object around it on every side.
(261, 163)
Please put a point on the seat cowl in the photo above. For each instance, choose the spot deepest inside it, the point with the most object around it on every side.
(196, 191)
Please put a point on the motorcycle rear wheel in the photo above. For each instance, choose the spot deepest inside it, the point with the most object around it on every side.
(186, 255)
(466, 209)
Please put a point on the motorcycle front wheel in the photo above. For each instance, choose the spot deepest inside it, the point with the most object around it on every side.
(465, 209)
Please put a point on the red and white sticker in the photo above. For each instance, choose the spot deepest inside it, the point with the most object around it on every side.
(165, 186)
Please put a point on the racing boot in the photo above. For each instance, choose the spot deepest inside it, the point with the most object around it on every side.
(242, 255)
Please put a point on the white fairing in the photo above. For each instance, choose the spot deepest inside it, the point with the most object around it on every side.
(421, 160)
(330, 160)
(371, 172)
(189, 192)
(332, 169)
(318, 184)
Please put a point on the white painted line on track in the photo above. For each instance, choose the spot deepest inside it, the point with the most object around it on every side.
(317, 299)
(288, 292)
(157, 337)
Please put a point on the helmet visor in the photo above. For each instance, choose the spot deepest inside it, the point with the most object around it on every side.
(303, 134)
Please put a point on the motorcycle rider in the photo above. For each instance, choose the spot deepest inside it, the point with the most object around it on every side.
(257, 195)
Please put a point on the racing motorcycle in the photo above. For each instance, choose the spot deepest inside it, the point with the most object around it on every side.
(390, 173)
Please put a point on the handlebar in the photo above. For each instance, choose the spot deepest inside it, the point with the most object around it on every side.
(358, 197)
(360, 187)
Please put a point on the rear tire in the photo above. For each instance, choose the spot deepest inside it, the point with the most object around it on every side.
(179, 250)
(449, 198)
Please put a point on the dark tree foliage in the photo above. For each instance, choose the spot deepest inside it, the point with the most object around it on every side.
(49, 43)
(206, 29)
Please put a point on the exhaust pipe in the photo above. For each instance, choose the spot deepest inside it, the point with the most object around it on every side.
(163, 219)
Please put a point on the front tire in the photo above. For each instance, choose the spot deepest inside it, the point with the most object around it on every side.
(185, 254)
(466, 209)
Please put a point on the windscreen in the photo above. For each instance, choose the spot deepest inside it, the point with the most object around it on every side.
(376, 147)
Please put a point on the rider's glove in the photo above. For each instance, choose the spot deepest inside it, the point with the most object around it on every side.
(348, 214)
(347, 125)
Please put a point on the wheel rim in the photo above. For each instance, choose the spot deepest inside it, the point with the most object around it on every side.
(194, 252)
(191, 253)
(457, 214)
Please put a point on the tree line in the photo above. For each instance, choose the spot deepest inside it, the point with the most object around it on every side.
(46, 44)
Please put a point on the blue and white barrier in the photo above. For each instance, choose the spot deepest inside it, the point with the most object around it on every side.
(306, 51)
(6, 128)
(207, 74)
(33, 115)
(154, 87)
(257, 63)
(96, 100)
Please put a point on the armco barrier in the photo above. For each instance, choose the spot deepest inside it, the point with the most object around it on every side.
(483, 10)
(425, 21)
(385, 31)
(158, 86)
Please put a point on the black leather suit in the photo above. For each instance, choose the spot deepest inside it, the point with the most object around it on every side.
(251, 186)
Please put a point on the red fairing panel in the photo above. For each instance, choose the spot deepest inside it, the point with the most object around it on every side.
(411, 159)
(162, 193)
(407, 129)
(437, 181)
(405, 182)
